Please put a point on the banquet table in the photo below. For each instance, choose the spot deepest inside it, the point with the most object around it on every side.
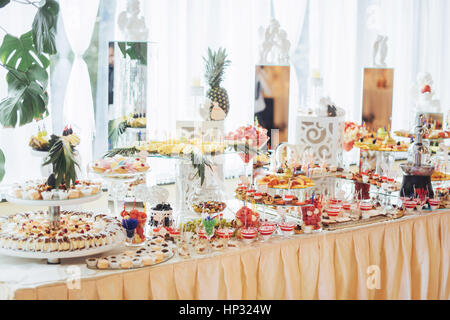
(407, 258)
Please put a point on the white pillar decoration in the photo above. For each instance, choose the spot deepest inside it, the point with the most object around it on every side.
(79, 20)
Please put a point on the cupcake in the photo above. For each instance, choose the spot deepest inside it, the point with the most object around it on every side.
(95, 189)
(129, 253)
(33, 194)
(125, 263)
(102, 263)
(184, 253)
(159, 256)
(17, 192)
(114, 264)
(86, 191)
(73, 194)
(137, 262)
(62, 194)
(91, 262)
(148, 260)
(47, 195)
(166, 252)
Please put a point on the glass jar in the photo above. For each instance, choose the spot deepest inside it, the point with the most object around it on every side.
(207, 200)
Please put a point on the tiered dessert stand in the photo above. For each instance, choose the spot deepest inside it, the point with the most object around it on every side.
(54, 212)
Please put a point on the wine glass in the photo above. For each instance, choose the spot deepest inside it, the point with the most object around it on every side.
(209, 223)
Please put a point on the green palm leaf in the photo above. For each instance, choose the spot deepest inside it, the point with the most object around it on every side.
(20, 53)
(27, 97)
(44, 27)
(115, 129)
(62, 158)
(3, 3)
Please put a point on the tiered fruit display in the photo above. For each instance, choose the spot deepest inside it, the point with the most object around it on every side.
(245, 218)
(252, 137)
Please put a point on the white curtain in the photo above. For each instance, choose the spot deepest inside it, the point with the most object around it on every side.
(341, 37)
(184, 30)
(16, 18)
(79, 20)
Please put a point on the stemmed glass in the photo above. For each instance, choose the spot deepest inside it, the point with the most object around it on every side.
(208, 223)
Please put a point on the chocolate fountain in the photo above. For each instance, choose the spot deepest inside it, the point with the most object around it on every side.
(417, 175)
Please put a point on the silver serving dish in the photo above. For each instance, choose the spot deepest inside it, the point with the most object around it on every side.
(411, 169)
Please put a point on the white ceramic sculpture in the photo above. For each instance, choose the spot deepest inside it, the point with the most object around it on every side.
(204, 109)
(275, 46)
(380, 49)
(131, 24)
(422, 93)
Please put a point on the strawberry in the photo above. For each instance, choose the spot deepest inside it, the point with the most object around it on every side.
(426, 88)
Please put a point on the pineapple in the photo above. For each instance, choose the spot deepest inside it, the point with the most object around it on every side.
(215, 66)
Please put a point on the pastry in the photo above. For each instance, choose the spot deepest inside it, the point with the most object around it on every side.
(159, 256)
(120, 165)
(102, 263)
(125, 263)
(91, 262)
(148, 260)
(137, 262)
(298, 229)
(77, 231)
(114, 264)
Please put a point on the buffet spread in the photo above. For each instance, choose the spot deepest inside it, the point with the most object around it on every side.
(282, 197)
(285, 190)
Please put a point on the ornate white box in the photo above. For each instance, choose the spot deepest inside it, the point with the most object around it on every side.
(323, 135)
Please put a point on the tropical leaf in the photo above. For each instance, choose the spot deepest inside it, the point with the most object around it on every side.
(2, 165)
(3, 3)
(134, 50)
(199, 163)
(126, 152)
(115, 129)
(44, 27)
(61, 157)
(27, 97)
(20, 54)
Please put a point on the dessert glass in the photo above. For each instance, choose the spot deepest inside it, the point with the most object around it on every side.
(248, 234)
(287, 228)
(409, 205)
(266, 231)
(434, 204)
(225, 235)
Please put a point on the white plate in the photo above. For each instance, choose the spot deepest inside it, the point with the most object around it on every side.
(66, 202)
(59, 255)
